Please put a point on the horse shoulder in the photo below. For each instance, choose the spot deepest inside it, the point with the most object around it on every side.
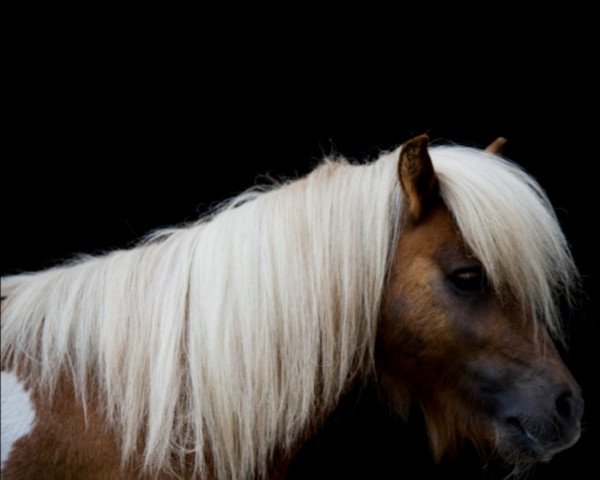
(63, 441)
(18, 413)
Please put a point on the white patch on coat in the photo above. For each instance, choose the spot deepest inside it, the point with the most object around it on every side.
(18, 413)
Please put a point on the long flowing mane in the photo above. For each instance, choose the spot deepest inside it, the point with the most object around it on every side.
(228, 338)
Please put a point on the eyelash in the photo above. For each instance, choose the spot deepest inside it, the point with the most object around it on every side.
(468, 280)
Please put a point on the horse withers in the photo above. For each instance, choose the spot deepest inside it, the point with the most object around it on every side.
(215, 349)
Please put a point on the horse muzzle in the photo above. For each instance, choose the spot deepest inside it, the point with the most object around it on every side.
(536, 427)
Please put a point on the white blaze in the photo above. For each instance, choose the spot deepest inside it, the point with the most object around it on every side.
(17, 412)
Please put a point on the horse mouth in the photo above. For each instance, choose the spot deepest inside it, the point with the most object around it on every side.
(518, 442)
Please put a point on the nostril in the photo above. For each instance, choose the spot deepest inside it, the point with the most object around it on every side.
(564, 405)
(513, 422)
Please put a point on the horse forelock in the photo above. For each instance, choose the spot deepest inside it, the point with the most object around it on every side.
(509, 224)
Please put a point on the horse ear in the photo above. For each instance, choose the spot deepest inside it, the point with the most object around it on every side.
(417, 177)
(497, 146)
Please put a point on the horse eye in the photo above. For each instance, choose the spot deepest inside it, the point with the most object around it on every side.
(469, 280)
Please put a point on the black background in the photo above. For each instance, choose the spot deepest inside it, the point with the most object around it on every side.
(111, 136)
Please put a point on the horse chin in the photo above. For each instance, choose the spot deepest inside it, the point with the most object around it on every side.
(515, 445)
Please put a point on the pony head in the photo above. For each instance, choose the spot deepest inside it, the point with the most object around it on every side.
(469, 307)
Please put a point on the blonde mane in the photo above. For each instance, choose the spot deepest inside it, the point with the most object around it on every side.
(226, 339)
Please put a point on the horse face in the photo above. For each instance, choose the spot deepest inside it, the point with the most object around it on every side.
(478, 366)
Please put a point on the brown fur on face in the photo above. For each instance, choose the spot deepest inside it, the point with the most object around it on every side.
(417, 338)
(446, 350)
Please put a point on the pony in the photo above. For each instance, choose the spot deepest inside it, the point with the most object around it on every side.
(215, 349)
